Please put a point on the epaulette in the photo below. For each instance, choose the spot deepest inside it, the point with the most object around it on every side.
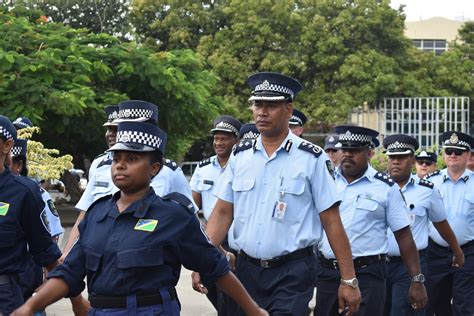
(243, 145)
(182, 200)
(100, 155)
(171, 164)
(311, 148)
(426, 183)
(384, 177)
(432, 174)
(204, 162)
(104, 162)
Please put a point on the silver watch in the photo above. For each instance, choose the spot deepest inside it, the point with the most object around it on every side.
(351, 282)
(419, 278)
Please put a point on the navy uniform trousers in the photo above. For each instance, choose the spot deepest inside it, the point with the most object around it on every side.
(283, 290)
(371, 284)
(398, 285)
(445, 282)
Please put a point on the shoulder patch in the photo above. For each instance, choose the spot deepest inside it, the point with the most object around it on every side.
(204, 162)
(171, 164)
(311, 148)
(182, 200)
(432, 174)
(426, 183)
(382, 176)
(243, 145)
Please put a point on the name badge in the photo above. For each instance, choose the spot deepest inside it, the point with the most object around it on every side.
(208, 182)
(279, 210)
(101, 184)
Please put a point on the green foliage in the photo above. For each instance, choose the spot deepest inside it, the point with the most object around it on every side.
(379, 161)
(62, 78)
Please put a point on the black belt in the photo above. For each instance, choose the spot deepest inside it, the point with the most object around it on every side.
(399, 258)
(102, 301)
(280, 260)
(359, 262)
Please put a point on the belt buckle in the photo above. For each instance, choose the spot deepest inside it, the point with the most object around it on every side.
(334, 264)
(264, 263)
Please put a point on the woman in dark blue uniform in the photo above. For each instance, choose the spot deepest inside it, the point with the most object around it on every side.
(22, 230)
(132, 244)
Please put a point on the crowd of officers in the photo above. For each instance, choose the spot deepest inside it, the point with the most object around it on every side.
(281, 217)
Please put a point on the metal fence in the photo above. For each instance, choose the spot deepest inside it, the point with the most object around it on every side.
(425, 118)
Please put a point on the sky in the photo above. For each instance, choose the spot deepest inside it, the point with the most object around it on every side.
(416, 10)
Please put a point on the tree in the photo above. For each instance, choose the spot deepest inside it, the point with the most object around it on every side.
(62, 78)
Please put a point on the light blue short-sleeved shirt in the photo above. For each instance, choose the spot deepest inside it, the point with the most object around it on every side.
(204, 181)
(169, 179)
(299, 174)
(458, 199)
(424, 206)
(370, 205)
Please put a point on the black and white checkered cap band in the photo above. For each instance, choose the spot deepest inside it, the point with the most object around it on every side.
(113, 116)
(266, 86)
(16, 151)
(398, 146)
(5, 133)
(226, 127)
(296, 120)
(130, 114)
(137, 137)
(463, 144)
(349, 137)
(20, 123)
(250, 135)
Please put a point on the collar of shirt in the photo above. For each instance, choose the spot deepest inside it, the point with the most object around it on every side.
(286, 145)
(464, 177)
(368, 174)
(139, 208)
(411, 182)
(216, 164)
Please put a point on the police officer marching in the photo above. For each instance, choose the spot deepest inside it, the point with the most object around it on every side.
(132, 243)
(451, 288)
(23, 231)
(425, 206)
(371, 203)
(274, 198)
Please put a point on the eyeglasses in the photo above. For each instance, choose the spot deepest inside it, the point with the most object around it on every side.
(329, 150)
(450, 151)
(425, 162)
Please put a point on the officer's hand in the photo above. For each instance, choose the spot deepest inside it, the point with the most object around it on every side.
(262, 312)
(80, 306)
(23, 310)
(417, 295)
(197, 285)
(458, 259)
(349, 299)
(231, 258)
(61, 259)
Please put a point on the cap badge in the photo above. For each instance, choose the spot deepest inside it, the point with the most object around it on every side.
(265, 85)
(127, 113)
(348, 133)
(454, 139)
(331, 139)
(124, 138)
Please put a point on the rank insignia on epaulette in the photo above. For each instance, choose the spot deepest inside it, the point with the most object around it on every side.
(311, 148)
(146, 225)
(243, 145)
(385, 178)
(426, 183)
(204, 162)
(171, 164)
(4, 208)
(432, 174)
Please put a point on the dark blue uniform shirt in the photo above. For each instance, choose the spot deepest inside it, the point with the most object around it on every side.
(139, 250)
(21, 224)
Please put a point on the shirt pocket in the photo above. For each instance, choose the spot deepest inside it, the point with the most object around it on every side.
(369, 208)
(202, 186)
(240, 188)
(293, 189)
(143, 257)
(93, 260)
(8, 236)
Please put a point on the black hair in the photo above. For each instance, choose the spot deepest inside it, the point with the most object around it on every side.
(24, 169)
(156, 156)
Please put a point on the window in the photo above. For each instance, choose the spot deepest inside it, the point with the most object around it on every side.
(436, 47)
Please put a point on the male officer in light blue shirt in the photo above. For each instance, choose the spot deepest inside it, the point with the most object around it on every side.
(274, 198)
(425, 205)
(447, 283)
(371, 204)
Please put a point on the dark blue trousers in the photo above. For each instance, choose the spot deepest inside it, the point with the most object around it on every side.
(283, 290)
(445, 282)
(371, 284)
(398, 284)
(10, 296)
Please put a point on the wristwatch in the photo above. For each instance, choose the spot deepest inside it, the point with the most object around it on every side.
(419, 278)
(351, 282)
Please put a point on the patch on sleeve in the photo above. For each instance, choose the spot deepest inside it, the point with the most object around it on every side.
(171, 164)
(243, 145)
(52, 208)
(426, 183)
(311, 148)
(4, 208)
(204, 162)
(330, 168)
(205, 234)
(384, 178)
(45, 221)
